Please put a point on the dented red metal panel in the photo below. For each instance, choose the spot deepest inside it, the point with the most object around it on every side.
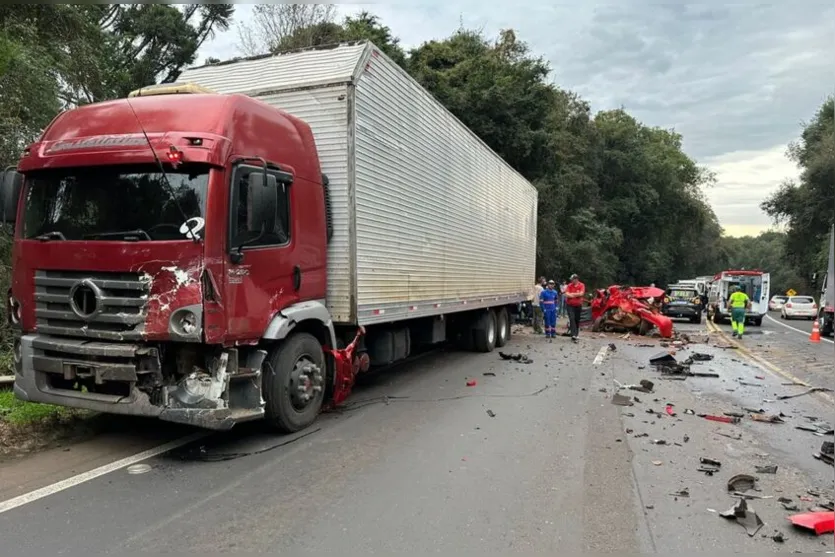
(172, 269)
(630, 308)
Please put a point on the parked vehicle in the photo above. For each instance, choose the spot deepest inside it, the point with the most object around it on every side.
(682, 301)
(826, 315)
(205, 258)
(754, 283)
(799, 307)
(776, 303)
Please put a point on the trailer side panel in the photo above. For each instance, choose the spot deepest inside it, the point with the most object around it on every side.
(443, 223)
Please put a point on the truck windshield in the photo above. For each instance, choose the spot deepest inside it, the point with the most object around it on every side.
(118, 203)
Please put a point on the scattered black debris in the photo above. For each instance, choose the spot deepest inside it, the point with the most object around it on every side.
(804, 393)
(817, 427)
(734, 414)
(683, 493)
(488, 374)
(491, 413)
(745, 517)
(791, 507)
(827, 453)
(770, 469)
(621, 400)
(612, 347)
(686, 438)
(778, 537)
(659, 442)
(709, 466)
(521, 358)
(701, 357)
(741, 483)
(754, 410)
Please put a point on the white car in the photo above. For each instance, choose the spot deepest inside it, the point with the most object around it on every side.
(776, 303)
(799, 307)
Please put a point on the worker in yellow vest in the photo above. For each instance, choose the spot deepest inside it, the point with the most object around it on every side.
(740, 303)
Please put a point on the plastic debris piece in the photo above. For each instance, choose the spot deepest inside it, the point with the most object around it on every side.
(723, 419)
(745, 517)
(767, 418)
(741, 483)
(491, 413)
(657, 463)
(471, 383)
(778, 537)
(770, 469)
(659, 442)
(684, 493)
(621, 400)
(820, 522)
(669, 410)
(488, 374)
(701, 357)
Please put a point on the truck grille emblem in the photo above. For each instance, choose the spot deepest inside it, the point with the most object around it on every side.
(85, 299)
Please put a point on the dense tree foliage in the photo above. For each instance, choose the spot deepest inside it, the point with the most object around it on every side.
(766, 252)
(807, 207)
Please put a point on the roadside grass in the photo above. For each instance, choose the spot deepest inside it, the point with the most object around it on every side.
(26, 426)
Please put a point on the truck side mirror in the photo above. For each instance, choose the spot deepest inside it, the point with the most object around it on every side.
(262, 203)
(10, 186)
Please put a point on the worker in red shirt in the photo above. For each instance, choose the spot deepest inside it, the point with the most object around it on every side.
(574, 292)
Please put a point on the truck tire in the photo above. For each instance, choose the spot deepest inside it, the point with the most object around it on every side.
(758, 321)
(484, 332)
(297, 362)
(502, 327)
(697, 319)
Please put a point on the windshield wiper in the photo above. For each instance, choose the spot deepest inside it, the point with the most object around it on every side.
(128, 235)
(53, 235)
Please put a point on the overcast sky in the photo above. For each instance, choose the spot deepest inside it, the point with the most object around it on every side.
(737, 80)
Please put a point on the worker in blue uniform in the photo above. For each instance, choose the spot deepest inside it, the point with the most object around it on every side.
(548, 301)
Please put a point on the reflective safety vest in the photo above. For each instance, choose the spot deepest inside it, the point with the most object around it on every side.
(739, 300)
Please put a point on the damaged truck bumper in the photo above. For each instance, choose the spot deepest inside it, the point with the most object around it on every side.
(50, 369)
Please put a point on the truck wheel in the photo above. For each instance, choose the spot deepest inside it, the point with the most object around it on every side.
(294, 383)
(696, 319)
(758, 322)
(502, 327)
(484, 333)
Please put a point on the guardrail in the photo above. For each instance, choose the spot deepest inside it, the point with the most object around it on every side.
(6, 382)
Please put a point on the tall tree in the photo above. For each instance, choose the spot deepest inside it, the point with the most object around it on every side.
(277, 27)
(807, 206)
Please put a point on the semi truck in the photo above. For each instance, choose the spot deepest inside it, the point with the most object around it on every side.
(756, 284)
(217, 250)
(827, 302)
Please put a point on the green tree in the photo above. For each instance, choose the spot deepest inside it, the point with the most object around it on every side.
(807, 206)
(765, 252)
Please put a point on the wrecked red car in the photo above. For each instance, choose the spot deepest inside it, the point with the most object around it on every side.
(630, 309)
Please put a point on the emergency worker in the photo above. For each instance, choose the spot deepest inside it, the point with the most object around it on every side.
(548, 301)
(574, 293)
(739, 302)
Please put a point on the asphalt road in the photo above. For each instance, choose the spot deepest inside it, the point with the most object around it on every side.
(415, 463)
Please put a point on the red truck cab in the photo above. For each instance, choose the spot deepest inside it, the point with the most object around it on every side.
(162, 243)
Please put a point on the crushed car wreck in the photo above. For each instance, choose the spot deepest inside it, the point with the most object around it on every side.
(630, 309)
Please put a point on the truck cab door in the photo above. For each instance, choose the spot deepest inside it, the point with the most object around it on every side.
(261, 264)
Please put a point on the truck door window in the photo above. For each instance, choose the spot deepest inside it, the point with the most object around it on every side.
(113, 203)
(238, 217)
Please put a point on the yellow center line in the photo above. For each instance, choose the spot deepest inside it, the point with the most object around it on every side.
(763, 363)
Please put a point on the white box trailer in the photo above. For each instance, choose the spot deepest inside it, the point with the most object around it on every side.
(427, 219)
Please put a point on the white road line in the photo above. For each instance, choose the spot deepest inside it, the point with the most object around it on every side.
(601, 355)
(804, 333)
(48, 490)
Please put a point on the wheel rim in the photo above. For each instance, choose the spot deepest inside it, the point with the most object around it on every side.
(306, 383)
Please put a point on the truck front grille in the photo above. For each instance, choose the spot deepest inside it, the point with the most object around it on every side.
(106, 306)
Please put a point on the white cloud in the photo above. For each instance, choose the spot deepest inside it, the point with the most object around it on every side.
(735, 80)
